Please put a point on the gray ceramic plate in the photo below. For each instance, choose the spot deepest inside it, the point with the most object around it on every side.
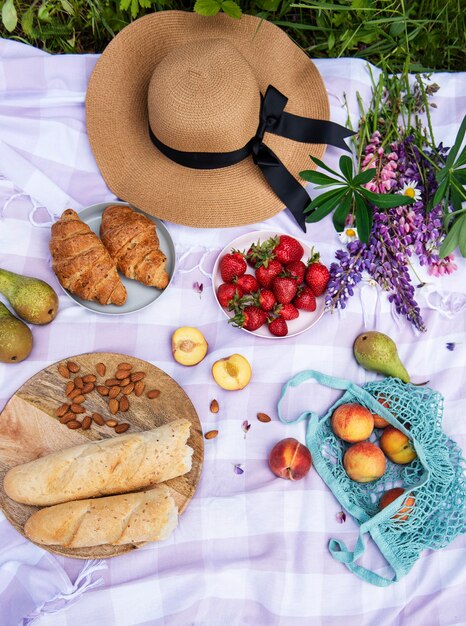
(139, 296)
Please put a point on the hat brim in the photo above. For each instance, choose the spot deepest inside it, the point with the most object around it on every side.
(117, 120)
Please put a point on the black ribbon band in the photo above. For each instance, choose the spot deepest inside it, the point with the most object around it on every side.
(273, 119)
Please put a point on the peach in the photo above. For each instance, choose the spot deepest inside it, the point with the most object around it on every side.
(364, 462)
(392, 494)
(290, 459)
(188, 345)
(352, 422)
(397, 446)
(380, 422)
(232, 373)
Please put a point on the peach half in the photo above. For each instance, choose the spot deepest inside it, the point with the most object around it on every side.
(352, 422)
(364, 462)
(397, 446)
(392, 494)
(188, 345)
(232, 373)
(290, 459)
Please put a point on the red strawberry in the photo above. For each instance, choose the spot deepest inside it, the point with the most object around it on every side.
(284, 288)
(247, 283)
(266, 273)
(251, 318)
(305, 299)
(227, 293)
(288, 250)
(317, 275)
(298, 269)
(265, 299)
(278, 327)
(287, 311)
(232, 265)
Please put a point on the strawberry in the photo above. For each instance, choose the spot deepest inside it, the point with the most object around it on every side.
(305, 299)
(250, 318)
(265, 299)
(267, 272)
(317, 275)
(227, 293)
(278, 327)
(284, 288)
(298, 269)
(247, 283)
(288, 250)
(260, 253)
(231, 266)
(287, 311)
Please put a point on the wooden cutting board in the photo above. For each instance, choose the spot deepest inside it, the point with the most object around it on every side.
(29, 429)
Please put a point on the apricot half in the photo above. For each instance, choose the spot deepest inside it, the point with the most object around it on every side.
(232, 373)
(188, 345)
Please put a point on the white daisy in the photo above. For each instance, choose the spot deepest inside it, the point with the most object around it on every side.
(410, 189)
(349, 234)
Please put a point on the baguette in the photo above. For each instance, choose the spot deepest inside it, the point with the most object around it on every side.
(114, 520)
(115, 465)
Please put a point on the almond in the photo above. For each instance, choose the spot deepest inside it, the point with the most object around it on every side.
(125, 366)
(74, 394)
(89, 378)
(73, 367)
(78, 381)
(124, 382)
(111, 382)
(78, 400)
(214, 408)
(63, 370)
(128, 389)
(124, 403)
(74, 424)
(139, 388)
(137, 376)
(100, 369)
(153, 393)
(67, 418)
(77, 408)
(102, 390)
(62, 410)
(211, 434)
(121, 374)
(111, 422)
(263, 417)
(114, 391)
(70, 386)
(113, 406)
(88, 387)
(121, 428)
(98, 419)
(86, 424)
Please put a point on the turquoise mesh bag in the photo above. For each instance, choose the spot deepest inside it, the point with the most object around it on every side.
(436, 478)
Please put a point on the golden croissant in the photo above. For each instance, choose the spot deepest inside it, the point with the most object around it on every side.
(132, 241)
(82, 264)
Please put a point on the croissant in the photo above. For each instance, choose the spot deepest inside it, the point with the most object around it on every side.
(81, 262)
(132, 241)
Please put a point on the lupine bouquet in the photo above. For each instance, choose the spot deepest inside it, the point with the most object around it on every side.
(393, 208)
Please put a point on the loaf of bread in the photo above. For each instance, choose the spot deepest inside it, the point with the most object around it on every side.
(132, 241)
(81, 262)
(114, 520)
(115, 465)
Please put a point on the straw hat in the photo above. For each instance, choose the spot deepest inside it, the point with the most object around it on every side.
(195, 84)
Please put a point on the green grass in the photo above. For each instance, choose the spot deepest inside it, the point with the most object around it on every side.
(415, 35)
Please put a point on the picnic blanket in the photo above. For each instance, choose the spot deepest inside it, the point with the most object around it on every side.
(250, 548)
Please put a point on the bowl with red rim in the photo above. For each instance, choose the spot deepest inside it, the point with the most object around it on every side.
(306, 319)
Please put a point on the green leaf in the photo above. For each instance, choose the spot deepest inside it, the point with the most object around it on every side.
(9, 16)
(456, 146)
(341, 212)
(461, 160)
(328, 195)
(124, 4)
(455, 198)
(362, 219)
(462, 236)
(27, 22)
(207, 7)
(460, 176)
(318, 178)
(232, 9)
(268, 5)
(397, 28)
(386, 200)
(440, 193)
(321, 164)
(451, 240)
(364, 177)
(324, 209)
(346, 167)
(67, 7)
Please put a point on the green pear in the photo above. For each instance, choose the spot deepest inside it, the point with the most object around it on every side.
(377, 352)
(15, 337)
(32, 299)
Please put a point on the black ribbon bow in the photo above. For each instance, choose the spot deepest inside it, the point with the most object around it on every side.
(273, 119)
